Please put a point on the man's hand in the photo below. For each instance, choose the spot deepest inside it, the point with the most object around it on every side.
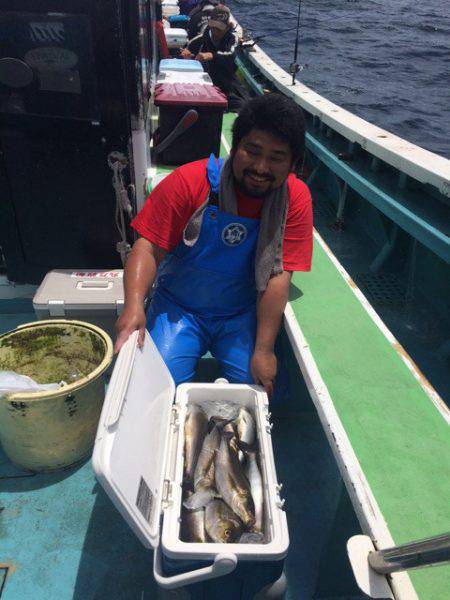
(185, 53)
(139, 275)
(263, 367)
(204, 56)
(270, 308)
(132, 318)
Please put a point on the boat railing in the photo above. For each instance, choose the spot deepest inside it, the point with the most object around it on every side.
(371, 566)
(416, 162)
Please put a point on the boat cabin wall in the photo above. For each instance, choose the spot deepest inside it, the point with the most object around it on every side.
(59, 127)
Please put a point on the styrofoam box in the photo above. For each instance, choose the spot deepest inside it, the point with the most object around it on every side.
(179, 64)
(170, 10)
(94, 295)
(176, 37)
(184, 77)
(138, 458)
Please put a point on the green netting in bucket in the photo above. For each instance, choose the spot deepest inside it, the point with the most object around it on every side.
(48, 430)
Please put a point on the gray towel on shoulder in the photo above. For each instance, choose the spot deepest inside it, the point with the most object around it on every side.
(269, 249)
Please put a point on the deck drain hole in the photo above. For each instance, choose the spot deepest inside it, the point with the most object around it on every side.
(324, 210)
(383, 289)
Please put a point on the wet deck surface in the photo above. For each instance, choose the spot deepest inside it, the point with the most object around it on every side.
(63, 539)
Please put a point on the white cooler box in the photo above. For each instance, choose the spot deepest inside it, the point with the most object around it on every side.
(180, 64)
(94, 296)
(176, 38)
(184, 77)
(170, 8)
(138, 459)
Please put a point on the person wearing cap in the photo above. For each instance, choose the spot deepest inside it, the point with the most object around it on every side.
(199, 16)
(216, 49)
(222, 238)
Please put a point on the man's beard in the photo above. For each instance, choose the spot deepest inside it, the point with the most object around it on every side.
(247, 191)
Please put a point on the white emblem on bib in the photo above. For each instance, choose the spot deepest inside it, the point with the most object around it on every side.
(234, 234)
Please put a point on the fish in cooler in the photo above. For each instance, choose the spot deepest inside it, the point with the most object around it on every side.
(204, 475)
(205, 490)
(192, 527)
(245, 425)
(223, 497)
(195, 429)
(232, 484)
(256, 487)
(222, 524)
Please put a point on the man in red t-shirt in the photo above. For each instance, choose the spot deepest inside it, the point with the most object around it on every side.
(223, 240)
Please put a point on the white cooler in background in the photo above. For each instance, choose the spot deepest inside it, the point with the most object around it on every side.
(95, 296)
(180, 64)
(138, 459)
(176, 38)
(170, 8)
(184, 77)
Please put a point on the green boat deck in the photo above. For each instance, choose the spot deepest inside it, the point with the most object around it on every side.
(400, 438)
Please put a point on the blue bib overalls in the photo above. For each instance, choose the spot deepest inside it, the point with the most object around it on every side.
(205, 297)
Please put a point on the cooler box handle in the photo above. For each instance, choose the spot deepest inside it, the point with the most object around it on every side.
(223, 565)
(94, 285)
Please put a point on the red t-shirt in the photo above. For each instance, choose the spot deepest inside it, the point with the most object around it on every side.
(174, 200)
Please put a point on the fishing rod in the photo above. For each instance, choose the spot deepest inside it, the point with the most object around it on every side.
(272, 33)
(294, 67)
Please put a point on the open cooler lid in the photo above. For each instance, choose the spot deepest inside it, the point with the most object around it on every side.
(189, 94)
(132, 440)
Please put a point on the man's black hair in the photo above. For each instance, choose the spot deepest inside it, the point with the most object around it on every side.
(275, 114)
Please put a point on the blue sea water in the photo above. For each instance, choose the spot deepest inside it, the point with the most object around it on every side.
(387, 61)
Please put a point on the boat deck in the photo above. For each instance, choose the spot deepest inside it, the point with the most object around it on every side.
(62, 537)
(399, 436)
(393, 421)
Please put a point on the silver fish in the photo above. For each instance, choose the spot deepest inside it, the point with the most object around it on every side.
(203, 484)
(192, 527)
(251, 538)
(195, 428)
(205, 490)
(221, 524)
(233, 440)
(232, 484)
(245, 425)
(256, 487)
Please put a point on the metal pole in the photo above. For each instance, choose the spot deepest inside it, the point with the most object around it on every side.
(424, 553)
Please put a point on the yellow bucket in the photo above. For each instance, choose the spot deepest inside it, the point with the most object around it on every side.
(45, 431)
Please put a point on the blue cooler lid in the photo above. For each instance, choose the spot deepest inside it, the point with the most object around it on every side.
(178, 19)
(179, 64)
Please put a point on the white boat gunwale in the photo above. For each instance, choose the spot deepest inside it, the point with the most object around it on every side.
(416, 162)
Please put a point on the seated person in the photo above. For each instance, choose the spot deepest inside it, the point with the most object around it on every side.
(221, 239)
(215, 48)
